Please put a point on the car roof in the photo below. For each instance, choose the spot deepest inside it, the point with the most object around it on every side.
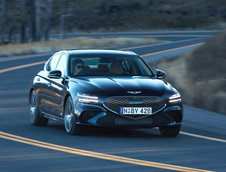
(116, 52)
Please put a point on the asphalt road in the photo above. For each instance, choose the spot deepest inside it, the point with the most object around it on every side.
(201, 146)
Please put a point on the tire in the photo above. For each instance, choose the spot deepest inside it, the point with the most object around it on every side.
(171, 131)
(70, 119)
(36, 118)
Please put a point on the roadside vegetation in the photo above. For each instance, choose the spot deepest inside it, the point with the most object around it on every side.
(72, 43)
(35, 20)
(200, 75)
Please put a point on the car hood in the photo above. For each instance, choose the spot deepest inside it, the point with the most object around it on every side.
(115, 86)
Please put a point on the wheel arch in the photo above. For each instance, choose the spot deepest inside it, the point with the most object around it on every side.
(65, 99)
(30, 91)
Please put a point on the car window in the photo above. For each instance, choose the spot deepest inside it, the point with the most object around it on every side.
(51, 65)
(62, 64)
(105, 65)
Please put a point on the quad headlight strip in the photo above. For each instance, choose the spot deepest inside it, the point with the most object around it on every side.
(84, 98)
(175, 98)
(81, 152)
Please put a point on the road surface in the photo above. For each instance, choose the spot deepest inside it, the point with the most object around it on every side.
(201, 146)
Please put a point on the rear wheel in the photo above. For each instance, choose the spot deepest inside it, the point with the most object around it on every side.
(35, 115)
(70, 119)
(170, 131)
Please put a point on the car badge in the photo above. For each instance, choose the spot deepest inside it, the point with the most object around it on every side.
(134, 92)
(136, 102)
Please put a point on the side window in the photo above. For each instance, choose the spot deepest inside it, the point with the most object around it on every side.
(53, 62)
(62, 64)
(46, 67)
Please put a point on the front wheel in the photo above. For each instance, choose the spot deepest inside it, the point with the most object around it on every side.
(170, 131)
(35, 115)
(70, 119)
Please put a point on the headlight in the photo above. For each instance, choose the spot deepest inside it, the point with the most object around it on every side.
(84, 98)
(175, 98)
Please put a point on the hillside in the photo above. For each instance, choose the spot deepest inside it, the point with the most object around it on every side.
(200, 75)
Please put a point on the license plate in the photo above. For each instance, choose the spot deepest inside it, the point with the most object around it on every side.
(135, 110)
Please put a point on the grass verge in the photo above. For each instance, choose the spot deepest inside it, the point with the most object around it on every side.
(72, 43)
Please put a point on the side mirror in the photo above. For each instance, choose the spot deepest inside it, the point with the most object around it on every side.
(160, 74)
(55, 74)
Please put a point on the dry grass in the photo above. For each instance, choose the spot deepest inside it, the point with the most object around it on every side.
(200, 75)
(72, 43)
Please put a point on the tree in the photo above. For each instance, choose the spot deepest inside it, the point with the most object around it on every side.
(48, 16)
(2, 15)
(23, 22)
(37, 20)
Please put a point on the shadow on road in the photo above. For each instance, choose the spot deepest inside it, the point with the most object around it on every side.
(110, 132)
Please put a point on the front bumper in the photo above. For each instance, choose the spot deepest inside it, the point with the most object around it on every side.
(100, 116)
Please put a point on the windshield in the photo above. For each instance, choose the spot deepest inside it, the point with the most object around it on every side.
(107, 65)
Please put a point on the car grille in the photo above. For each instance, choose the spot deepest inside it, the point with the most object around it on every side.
(114, 103)
(121, 120)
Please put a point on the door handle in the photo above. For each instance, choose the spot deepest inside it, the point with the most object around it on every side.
(49, 84)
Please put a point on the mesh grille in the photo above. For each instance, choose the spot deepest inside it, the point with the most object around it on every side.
(114, 103)
(155, 120)
(121, 121)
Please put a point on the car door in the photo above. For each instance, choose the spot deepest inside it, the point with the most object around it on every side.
(46, 95)
(58, 88)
